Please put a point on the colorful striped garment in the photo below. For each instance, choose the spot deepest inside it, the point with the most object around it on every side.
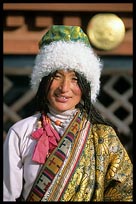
(89, 164)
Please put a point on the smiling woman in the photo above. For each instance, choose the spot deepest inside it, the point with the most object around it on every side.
(67, 151)
(64, 93)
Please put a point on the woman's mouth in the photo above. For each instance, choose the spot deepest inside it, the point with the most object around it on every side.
(62, 99)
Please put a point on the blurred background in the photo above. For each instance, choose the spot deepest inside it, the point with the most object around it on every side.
(25, 24)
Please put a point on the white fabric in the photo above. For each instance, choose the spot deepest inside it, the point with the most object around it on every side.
(18, 150)
(65, 117)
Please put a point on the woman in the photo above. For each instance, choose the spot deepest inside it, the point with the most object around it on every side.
(66, 152)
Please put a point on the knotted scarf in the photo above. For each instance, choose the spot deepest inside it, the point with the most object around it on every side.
(47, 140)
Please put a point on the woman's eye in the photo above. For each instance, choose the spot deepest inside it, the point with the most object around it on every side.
(74, 79)
(57, 76)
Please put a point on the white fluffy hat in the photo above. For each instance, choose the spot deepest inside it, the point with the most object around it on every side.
(67, 47)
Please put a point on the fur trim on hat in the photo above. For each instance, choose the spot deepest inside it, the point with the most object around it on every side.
(68, 55)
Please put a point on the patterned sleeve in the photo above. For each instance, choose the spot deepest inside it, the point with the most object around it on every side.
(119, 183)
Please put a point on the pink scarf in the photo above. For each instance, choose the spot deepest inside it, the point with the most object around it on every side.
(47, 140)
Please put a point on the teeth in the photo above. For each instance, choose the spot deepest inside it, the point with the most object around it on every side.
(62, 97)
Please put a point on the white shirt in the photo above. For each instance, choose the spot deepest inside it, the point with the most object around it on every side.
(18, 164)
(19, 170)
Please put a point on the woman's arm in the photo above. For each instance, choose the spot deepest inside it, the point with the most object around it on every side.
(12, 167)
(120, 172)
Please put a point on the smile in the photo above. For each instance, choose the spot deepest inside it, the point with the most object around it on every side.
(62, 99)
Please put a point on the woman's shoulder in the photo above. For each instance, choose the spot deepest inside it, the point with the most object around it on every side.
(103, 129)
(28, 121)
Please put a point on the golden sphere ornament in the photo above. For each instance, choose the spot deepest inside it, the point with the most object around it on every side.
(106, 31)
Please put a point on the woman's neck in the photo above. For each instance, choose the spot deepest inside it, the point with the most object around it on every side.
(60, 120)
(61, 115)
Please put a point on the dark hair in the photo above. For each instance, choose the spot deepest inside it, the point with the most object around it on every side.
(40, 99)
(93, 115)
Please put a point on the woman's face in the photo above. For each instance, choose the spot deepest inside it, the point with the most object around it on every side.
(64, 93)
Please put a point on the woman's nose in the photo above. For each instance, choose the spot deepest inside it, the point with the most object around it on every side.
(64, 86)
